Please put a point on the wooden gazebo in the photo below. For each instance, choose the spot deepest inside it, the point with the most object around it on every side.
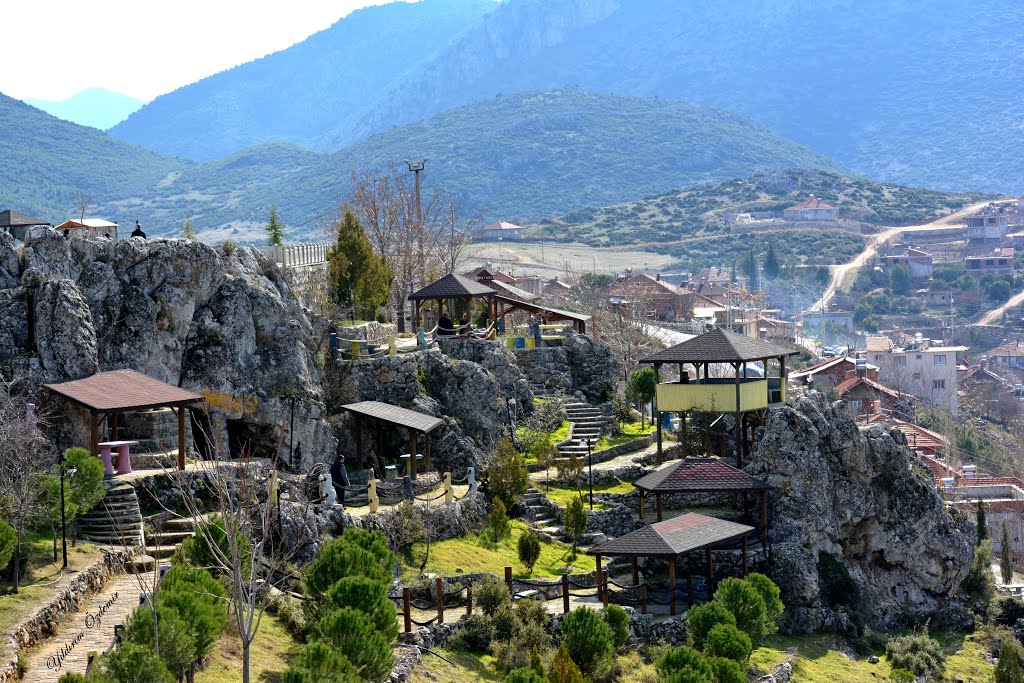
(453, 287)
(739, 394)
(702, 475)
(120, 391)
(415, 423)
(672, 538)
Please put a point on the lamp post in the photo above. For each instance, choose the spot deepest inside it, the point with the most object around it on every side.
(64, 469)
(590, 468)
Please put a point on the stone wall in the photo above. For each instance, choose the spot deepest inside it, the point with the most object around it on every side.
(580, 367)
(494, 357)
(46, 620)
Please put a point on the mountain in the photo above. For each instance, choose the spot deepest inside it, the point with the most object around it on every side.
(913, 91)
(309, 93)
(517, 157)
(47, 162)
(94, 107)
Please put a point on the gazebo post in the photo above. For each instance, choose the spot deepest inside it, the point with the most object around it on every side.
(94, 433)
(426, 451)
(359, 441)
(737, 428)
(672, 585)
(412, 454)
(710, 570)
(181, 438)
(598, 576)
(746, 566)
(641, 505)
(636, 572)
(657, 413)
(657, 500)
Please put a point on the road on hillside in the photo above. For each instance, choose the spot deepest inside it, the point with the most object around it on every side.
(670, 337)
(996, 314)
(953, 222)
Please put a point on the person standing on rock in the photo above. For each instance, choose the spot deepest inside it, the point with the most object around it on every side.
(137, 232)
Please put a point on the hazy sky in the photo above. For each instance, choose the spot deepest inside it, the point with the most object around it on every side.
(51, 49)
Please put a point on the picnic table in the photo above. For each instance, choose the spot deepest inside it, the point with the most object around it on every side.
(124, 463)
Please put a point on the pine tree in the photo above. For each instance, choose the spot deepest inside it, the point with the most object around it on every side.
(750, 270)
(275, 228)
(1005, 556)
(771, 262)
(188, 230)
(982, 525)
(359, 275)
(732, 275)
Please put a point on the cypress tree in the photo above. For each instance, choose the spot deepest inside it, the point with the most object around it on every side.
(359, 276)
(275, 228)
(982, 525)
(1005, 556)
(771, 262)
(750, 270)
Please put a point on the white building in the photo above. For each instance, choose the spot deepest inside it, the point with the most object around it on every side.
(922, 369)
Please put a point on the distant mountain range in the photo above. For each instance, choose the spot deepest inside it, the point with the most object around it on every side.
(925, 93)
(519, 157)
(94, 107)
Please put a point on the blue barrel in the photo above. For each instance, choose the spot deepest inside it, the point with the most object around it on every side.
(520, 342)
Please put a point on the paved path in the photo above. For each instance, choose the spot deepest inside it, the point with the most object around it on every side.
(626, 460)
(89, 630)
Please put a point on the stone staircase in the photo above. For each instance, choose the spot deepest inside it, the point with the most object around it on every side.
(165, 537)
(545, 517)
(541, 390)
(588, 422)
(116, 520)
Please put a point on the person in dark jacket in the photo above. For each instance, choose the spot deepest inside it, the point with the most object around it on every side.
(137, 232)
(444, 325)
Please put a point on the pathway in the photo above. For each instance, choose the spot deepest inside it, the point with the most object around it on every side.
(91, 629)
(622, 461)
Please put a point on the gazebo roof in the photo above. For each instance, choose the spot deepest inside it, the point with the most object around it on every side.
(453, 286)
(699, 475)
(13, 219)
(403, 417)
(672, 537)
(121, 390)
(719, 346)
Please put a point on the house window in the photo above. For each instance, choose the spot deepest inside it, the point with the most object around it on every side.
(940, 360)
(917, 375)
(901, 360)
(938, 384)
(877, 358)
(855, 405)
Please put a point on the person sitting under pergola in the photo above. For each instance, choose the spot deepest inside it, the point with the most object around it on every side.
(415, 423)
(453, 288)
(702, 475)
(672, 538)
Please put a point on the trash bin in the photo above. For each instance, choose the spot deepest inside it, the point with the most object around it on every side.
(390, 472)
(520, 342)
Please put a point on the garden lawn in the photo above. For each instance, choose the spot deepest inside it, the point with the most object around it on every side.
(39, 586)
(563, 495)
(270, 655)
(470, 554)
(461, 667)
(629, 431)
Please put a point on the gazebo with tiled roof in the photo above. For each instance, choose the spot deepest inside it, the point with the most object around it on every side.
(454, 287)
(740, 395)
(702, 475)
(674, 537)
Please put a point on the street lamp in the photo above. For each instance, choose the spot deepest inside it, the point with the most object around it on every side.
(70, 471)
(590, 468)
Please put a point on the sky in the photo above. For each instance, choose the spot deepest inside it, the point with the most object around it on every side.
(53, 49)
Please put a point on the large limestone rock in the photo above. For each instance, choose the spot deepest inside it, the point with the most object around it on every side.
(859, 496)
(225, 324)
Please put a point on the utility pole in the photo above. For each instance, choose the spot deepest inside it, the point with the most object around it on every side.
(416, 167)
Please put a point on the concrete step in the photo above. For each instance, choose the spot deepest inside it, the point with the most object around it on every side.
(553, 530)
(172, 536)
(161, 552)
(143, 563)
(177, 524)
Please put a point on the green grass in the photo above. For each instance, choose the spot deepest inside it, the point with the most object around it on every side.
(563, 495)
(629, 431)
(470, 554)
(462, 667)
(269, 657)
(35, 590)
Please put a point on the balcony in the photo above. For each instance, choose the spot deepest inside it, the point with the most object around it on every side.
(718, 395)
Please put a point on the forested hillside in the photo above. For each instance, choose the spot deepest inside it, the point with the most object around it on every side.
(927, 98)
(47, 163)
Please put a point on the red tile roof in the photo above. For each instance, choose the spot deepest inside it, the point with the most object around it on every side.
(849, 384)
(122, 390)
(699, 474)
(813, 203)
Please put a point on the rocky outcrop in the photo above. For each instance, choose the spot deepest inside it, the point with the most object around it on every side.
(580, 367)
(221, 323)
(494, 357)
(857, 496)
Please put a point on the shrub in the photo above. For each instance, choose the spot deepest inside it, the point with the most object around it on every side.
(837, 585)
(369, 597)
(727, 671)
(588, 639)
(497, 521)
(507, 475)
(618, 620)
(490, 594)
(535, 662)
(1010, 667)
(745, 603)
(524, 676)
(563, 669)
(701, 619)
(979, 584)
(684, 664)
(352, 634)
(725, 640)
(319, 663)
(210, 543)
(575, 521)
(293, 617)
(474, 635)
(533, 612)
(134, 663)
(200, 601)
(770, 593)
(1006, 611)
(177, 645)
(528, 548)
(918, 654)
(507, 624)
(901, 676)
(355, 553)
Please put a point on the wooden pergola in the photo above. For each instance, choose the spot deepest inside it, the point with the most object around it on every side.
(415, 424)
(452, 288)
(506, 305)
(121, 391)
(703, 475)
(672, 538)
